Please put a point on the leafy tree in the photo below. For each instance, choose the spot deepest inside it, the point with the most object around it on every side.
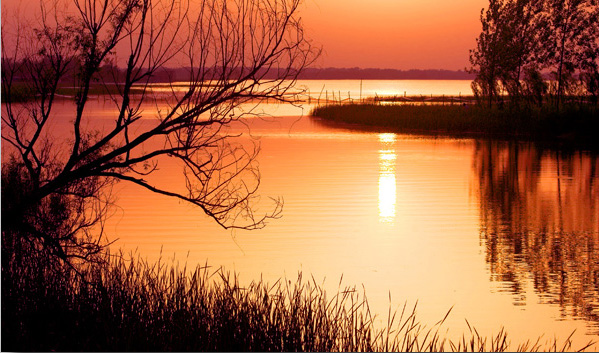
(522, 38)
(572, 46)
(486, 58)
(56, 188)
(507, 46)
(535, 86)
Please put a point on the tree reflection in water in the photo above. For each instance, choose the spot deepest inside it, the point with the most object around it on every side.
(540, 223)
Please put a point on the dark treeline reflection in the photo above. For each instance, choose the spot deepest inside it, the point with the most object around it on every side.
(540, 223)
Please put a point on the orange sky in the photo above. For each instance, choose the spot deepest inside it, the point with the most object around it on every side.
(399, 34)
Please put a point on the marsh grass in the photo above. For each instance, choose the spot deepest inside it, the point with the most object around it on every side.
(573, 124)
(131, 305)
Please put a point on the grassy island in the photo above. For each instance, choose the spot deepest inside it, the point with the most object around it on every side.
(570, 125)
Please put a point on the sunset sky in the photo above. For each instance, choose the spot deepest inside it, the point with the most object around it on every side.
(398, 34)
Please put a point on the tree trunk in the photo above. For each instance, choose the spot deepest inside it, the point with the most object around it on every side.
(560, 85)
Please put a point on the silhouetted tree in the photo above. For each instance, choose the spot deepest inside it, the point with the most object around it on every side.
(507, 47)
(487, 58)
(56, 189)
(573, 45)
(522, 38)
(535, 86)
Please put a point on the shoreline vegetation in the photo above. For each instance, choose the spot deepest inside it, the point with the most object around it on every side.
(118, 304)
(129, 304)
(573, 125)
(61, 288)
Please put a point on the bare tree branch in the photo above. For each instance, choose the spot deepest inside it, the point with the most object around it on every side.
(233, 52)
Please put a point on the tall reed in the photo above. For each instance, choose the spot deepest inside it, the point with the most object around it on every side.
(130, 304)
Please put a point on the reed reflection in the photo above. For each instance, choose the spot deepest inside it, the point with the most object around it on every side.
(387, 180)
(540, 223)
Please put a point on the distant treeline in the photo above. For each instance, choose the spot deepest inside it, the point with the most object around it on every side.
(333, 73)
(109, 73)
(356, 73)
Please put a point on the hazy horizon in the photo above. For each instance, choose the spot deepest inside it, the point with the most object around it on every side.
(385, 34)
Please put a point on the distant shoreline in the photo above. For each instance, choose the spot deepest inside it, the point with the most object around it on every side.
(381, 79)
(382, 74)
(329, 73)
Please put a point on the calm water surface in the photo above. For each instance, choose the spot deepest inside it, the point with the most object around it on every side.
(370, 88)
(505, 233)
(354, 89)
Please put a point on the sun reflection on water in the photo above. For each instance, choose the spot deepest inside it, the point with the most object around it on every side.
(387, 181)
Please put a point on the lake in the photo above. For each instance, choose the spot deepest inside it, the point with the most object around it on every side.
(504, 233)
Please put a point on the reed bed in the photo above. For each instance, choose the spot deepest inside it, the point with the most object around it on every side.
(131, 305)
(572, 124)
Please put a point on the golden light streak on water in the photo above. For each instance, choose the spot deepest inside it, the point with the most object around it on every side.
(387, 179)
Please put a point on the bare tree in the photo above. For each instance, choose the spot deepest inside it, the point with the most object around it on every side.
(55, 194)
